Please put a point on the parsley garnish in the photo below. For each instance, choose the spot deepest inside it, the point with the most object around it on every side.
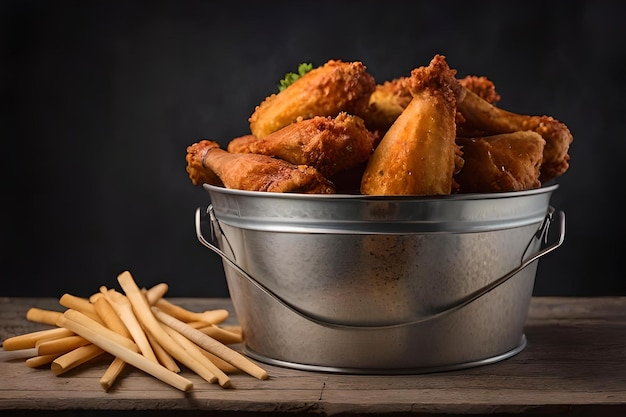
(291, 77)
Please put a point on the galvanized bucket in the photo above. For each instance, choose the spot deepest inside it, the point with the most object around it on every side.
(380, 285)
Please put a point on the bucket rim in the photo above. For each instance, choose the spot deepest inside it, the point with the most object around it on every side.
(364, 214)
(548, 188)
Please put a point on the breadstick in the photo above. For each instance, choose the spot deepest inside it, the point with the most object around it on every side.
(164, 358)
(94, 297)
(208, 343)
(110, 375)
(221, 335)
(28, 340)
(125, 312)
(111, 320)
(109, 316)
(60, 346)
(221, 363)
(155, 293)
(213, 316)
(17, 354)
(196, 352)
(37, 361)
(233, 328)
(152, 325)
(95, 334)
(198, 324)
(39, 315)
(103, 290)
(74, 358)
(81, 304)
(182, 314)
(87, 321)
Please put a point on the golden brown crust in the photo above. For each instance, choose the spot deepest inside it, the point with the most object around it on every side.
(198, 173)
(243, 144)
(391, 98)
(505, 162)
(330, 145)
(480, 118)
(417, 154)
(481, 86)
(388, 100)
(324, 91)
(401, 137)
(253, 172)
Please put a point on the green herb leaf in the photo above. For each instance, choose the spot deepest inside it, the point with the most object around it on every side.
(291, 77)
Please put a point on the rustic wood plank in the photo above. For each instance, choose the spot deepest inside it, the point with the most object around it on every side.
(574, 364)
(610, 309)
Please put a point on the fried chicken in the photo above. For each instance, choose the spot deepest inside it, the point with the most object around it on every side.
(505, 162)
(388, 100)
(328, 144)
(481, 118)
(481, 86)
(324, 91)
(206, 161)
(198, 172)
(417, 154)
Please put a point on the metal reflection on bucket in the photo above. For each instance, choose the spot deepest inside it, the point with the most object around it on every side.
(380, 284)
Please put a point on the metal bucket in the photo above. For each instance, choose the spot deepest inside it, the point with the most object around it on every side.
(380, 285)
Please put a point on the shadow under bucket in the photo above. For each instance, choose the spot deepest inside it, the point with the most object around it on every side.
(380, 284)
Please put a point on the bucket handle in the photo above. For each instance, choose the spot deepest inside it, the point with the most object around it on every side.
(448, 310)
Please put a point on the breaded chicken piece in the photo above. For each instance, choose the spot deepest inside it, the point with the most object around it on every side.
(324, 91)
(388, 100)
(481, 118)
(207, 161)
(198, 172)
(505, 162)
(482, 86)
(417, 154)
(328, 144)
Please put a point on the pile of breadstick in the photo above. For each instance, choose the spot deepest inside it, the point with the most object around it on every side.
(138, 327)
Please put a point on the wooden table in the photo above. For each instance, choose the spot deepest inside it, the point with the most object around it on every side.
(574, 365)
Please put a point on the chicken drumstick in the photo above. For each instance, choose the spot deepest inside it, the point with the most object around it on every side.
(207, 162)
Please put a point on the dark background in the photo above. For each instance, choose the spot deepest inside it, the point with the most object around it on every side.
(101, 98)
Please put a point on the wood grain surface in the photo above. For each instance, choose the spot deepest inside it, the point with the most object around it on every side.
(574, 365)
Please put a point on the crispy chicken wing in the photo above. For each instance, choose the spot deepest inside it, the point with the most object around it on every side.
(505, 162)
(388, 100)
(330, 145)
(417, 154)
(324, 91)
(480, 118)
(482, 86)
(206, 161)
